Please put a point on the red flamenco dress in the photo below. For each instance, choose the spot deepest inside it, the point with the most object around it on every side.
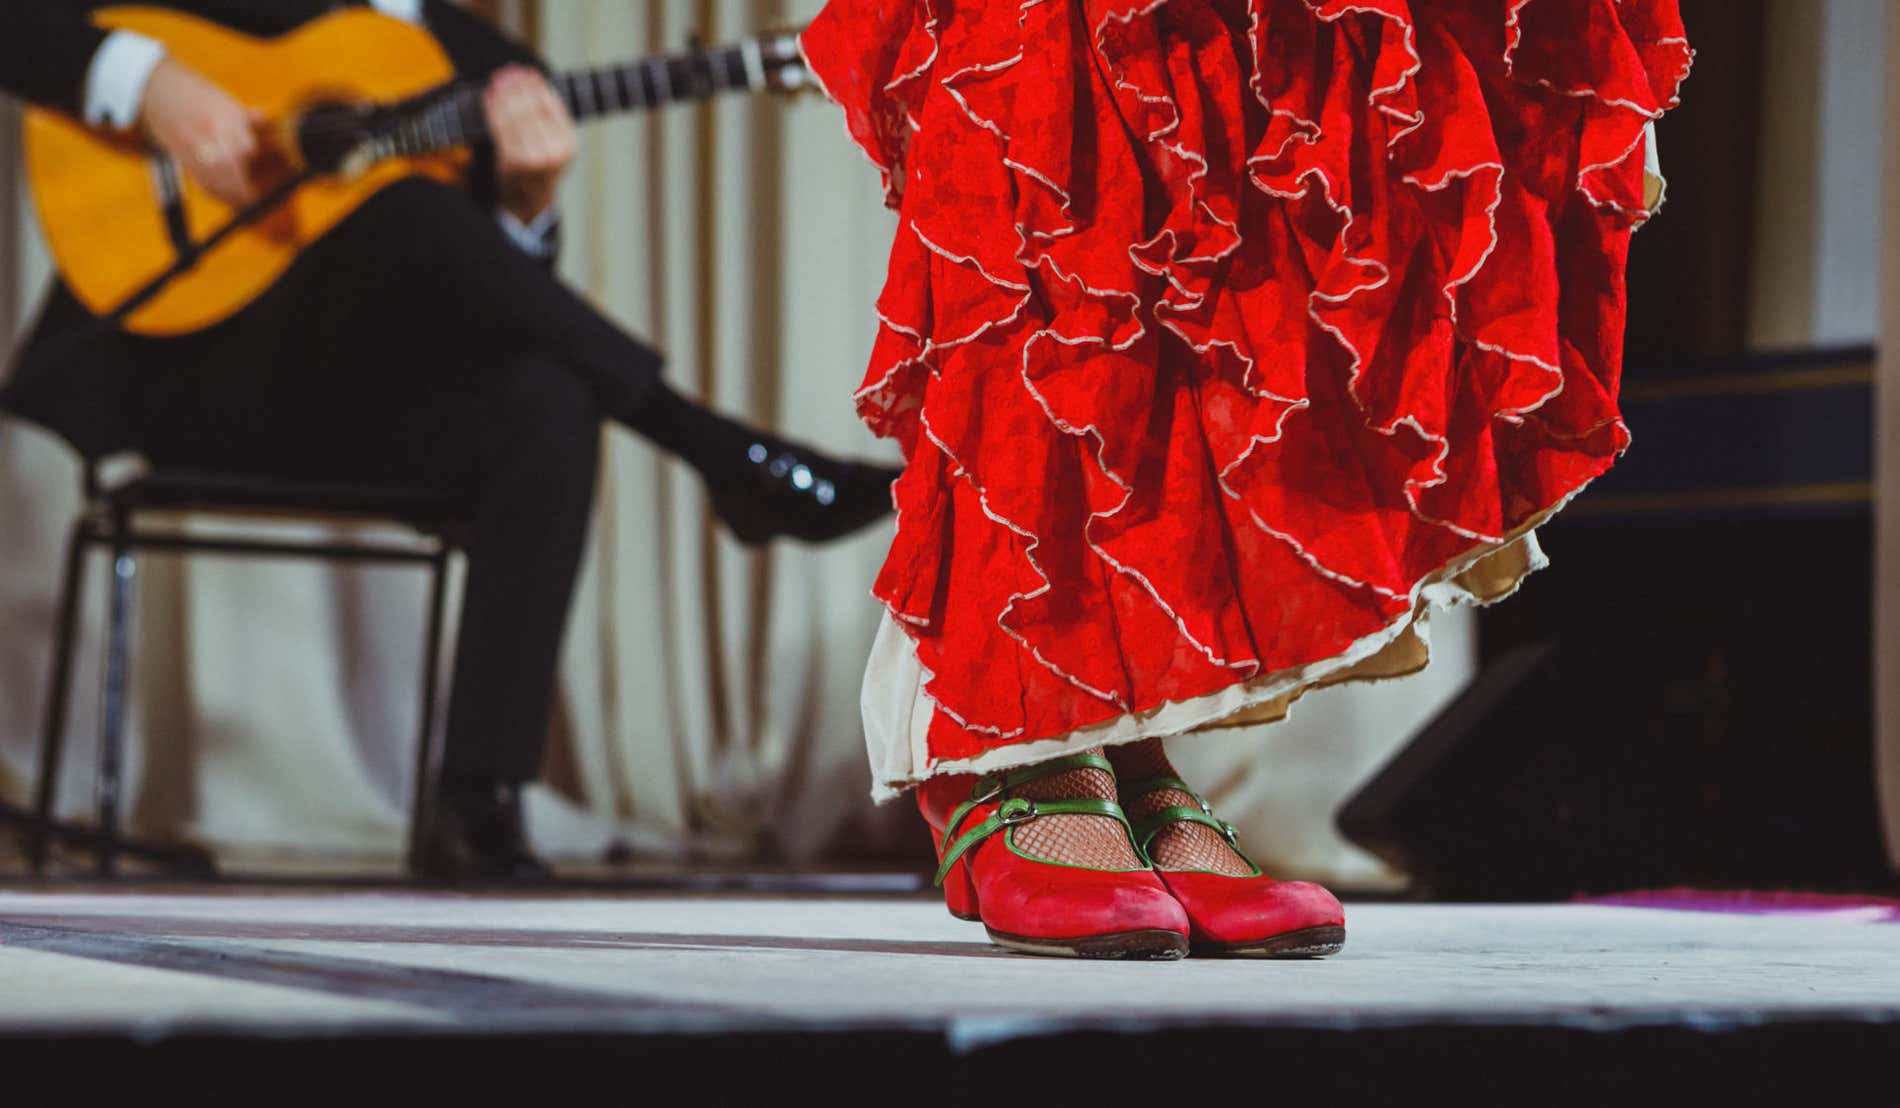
(1226, 338)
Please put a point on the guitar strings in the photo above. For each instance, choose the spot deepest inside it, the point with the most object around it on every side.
(460, 94)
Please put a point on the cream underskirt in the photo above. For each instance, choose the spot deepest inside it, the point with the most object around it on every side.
(898, 710)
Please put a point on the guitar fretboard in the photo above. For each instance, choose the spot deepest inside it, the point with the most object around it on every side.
(453, 115)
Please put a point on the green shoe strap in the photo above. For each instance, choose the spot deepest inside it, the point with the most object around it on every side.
(1150, 825)
(990, 786)
(1018, 809)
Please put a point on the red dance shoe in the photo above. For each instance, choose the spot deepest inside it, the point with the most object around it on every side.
(1251, 916)
(1038, 906)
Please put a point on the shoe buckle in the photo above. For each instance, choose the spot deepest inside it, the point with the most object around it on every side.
(1016, 810)
(988, 787)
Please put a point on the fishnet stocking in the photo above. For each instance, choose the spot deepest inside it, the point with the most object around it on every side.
(1097, 842)
(1178, 846)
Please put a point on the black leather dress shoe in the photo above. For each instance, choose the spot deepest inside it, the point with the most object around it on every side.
(476, 836)
(781, 490)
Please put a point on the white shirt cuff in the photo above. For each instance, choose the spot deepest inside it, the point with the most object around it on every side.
(532, 237)
(409, 11)
(115, 81)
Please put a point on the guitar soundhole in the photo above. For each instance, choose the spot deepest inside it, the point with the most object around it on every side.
(327, 134)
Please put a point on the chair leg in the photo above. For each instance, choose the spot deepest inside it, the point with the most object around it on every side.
(419, 809)
(59, 688)
(113, 698)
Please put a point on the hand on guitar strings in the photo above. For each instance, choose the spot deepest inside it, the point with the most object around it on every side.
(534, 139)
(211, 136)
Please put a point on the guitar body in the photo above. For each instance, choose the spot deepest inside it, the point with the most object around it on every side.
(99, 194)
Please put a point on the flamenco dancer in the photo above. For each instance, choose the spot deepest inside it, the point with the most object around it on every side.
(1225, 339)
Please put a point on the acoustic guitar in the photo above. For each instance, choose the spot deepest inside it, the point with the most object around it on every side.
(356, 100)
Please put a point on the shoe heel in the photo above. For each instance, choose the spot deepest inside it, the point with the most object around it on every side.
(740, 523)
(959, 892)
(959, 888)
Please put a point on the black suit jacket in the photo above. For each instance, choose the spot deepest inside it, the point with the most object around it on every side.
(45, 50)
(77, 388)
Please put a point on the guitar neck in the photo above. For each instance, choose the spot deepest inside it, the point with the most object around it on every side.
(454, 116)
(658, 81)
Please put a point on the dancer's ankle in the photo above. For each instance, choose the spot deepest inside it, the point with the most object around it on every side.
(1138, 761)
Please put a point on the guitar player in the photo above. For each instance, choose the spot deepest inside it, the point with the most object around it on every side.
(424, 342)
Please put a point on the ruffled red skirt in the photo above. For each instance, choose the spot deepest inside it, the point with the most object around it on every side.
(1224, 336)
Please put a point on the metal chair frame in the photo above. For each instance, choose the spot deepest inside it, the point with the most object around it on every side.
(110, 520)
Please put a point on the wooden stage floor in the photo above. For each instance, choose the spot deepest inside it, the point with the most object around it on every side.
(899, 978)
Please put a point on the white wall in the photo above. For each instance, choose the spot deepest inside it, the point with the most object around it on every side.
(1817, 235)
(1848, 223)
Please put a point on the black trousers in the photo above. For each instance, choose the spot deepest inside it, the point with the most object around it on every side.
(415, 346)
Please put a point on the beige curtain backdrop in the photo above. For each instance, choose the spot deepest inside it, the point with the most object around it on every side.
(1887, 474)
(709, 702)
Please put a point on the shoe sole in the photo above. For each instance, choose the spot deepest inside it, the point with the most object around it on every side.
(1308, 942)
(1148, 945)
